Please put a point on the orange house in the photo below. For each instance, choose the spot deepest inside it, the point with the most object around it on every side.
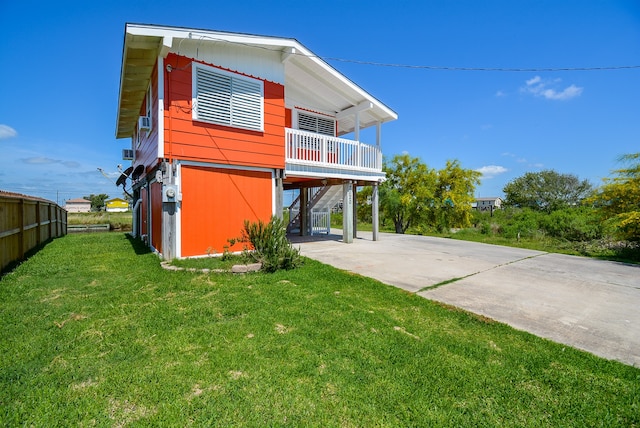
(222, 123)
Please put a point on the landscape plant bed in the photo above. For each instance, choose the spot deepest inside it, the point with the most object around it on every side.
(112, 339)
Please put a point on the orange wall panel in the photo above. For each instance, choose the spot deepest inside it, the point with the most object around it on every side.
(215, 203)
(199, 141)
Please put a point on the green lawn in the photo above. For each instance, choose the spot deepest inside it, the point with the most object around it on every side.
(95, 333)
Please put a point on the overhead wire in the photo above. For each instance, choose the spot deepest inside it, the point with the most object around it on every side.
(432, 67)
(502, 69)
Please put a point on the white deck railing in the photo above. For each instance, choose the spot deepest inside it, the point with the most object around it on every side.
(308, 148)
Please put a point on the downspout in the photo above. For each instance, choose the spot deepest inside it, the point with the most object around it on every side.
(136, 218)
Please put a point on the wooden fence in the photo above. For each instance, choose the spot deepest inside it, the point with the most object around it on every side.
(25, 224)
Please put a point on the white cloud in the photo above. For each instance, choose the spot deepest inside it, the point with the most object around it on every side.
(500, 94)
(42, 160)
(534, 80)
(491, 171)
(568, 93)
(548, 88)
(38, 160)
(7, 132)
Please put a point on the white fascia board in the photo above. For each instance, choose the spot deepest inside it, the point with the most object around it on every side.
(160, 111)
(197, 34)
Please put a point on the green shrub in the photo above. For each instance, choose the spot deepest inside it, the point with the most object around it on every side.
(270, 245)
(485, 228)
(521, 222)
(572, 224)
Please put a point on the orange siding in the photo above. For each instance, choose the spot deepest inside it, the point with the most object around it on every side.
(287, 118)
(147, 151)
(198, 141)
(144, 210)
(215, 203)
(156, 215)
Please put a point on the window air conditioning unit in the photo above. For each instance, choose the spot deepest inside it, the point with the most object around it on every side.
(127, 154)
(144, 122)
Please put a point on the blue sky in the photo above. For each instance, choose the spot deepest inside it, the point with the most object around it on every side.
(61, 65)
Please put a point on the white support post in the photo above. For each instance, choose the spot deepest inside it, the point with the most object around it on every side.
(356, 130)
(279, 194)
(357, 136)
(347, 212)
(169, 211)
(304, 215)
(355, 210)
(374, 211)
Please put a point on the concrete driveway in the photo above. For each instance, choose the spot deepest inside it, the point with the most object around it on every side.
(589, 304)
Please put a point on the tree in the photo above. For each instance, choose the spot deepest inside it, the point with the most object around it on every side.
(618, 200)
(97, 201)
(363, 198)
(453, 196)
(416, 195)
(546, 190)
(407, 192)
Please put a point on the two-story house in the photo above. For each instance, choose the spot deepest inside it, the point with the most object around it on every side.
(488, 204)
(222, 123)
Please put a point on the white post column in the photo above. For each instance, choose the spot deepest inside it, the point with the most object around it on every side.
(279, 194)
(347, 212)
(374, 211)
(355, 209)
(356, 129)
(304, 224)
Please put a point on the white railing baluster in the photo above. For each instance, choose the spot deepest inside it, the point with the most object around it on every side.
(308, 148)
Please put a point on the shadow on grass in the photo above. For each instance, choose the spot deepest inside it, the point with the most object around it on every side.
(14, 264)
(138, 245)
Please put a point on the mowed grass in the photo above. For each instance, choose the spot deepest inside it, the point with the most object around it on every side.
(95, 333)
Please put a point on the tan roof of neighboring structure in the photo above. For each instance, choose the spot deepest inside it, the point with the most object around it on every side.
(6, 194)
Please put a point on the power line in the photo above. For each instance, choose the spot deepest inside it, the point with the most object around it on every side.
(433, 67)
(503, 69)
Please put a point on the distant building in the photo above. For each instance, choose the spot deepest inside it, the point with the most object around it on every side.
(116, 205)
(78, 205)
(488, 204)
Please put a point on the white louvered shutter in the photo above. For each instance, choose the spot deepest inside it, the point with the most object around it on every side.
(228, 100)
(246, 104)
(319, 125)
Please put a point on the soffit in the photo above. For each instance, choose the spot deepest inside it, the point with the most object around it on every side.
(139, 56)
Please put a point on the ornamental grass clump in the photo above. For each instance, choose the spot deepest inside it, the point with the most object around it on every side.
(270, 245)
